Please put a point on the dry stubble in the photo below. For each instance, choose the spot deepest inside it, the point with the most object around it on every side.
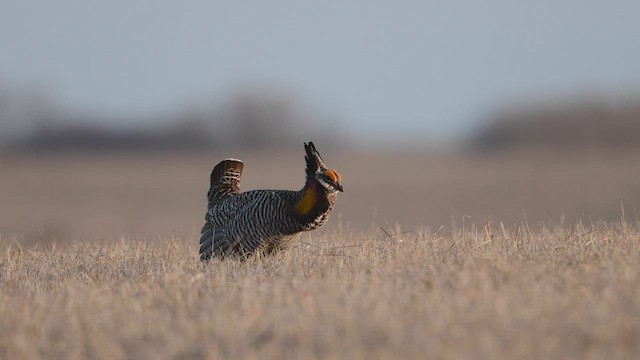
(571, 292)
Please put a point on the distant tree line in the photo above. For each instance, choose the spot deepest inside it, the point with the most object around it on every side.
(248, 119)
(586, 123)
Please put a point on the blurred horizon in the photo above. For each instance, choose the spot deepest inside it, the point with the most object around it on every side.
(422, 73)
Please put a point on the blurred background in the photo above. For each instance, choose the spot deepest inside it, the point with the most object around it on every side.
(112, 114)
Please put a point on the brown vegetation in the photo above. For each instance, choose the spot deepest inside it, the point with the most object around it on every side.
(484, 293)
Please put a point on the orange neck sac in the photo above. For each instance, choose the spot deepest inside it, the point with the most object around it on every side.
(309, 199)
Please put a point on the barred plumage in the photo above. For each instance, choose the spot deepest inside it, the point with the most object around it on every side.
(264, 221)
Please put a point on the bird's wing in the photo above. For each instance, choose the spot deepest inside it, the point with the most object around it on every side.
(213, 241)
(255, 222)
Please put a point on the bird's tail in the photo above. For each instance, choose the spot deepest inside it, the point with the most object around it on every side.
(225, 179)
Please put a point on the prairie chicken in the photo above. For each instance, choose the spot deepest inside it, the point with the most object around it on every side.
(264, 221)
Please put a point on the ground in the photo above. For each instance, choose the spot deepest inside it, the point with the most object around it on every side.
(156, 197)
(492, 292)
(426, 256)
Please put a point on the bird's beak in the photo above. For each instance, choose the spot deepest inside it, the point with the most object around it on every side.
(339, 187)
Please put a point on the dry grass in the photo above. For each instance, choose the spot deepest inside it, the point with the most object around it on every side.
(481, 293)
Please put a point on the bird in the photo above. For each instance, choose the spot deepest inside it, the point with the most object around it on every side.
(243, 224)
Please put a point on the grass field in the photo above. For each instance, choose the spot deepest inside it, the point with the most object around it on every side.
(425, 256)
(478, 293)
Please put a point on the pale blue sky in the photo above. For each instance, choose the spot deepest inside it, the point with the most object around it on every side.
(397, 69)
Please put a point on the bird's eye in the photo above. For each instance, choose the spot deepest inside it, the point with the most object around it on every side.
(330, 176)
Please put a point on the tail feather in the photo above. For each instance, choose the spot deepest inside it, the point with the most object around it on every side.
(225, 179)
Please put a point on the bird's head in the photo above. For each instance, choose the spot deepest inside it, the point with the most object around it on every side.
(329, 179)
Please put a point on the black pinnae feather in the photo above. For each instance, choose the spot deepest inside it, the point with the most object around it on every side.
(313, 147)
(313, 159)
